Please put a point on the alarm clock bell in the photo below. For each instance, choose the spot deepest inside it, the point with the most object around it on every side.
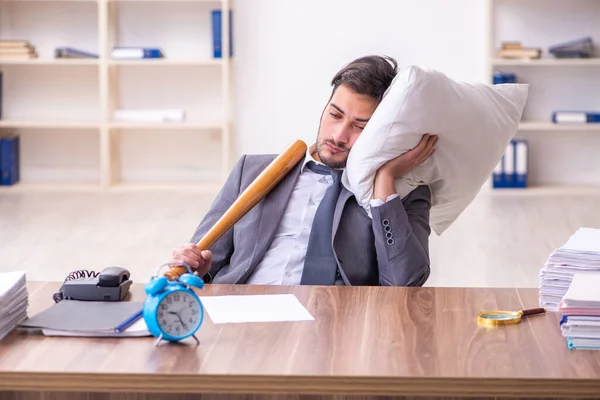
(172, 309)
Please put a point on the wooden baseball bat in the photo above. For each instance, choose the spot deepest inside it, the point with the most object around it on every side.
(254, 193)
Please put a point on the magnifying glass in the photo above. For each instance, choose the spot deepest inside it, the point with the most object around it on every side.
(492, 318)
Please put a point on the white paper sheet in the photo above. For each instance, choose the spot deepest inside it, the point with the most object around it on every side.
(255, 308)
(585, 240)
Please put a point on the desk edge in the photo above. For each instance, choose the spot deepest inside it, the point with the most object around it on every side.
(316, 385)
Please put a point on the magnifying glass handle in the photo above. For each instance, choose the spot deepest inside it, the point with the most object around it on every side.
(534, 311)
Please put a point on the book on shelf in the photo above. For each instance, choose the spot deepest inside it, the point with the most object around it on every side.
(578, 48)
(135, 53)
(1, 91)
(514, 50)
(512, 169)
(217, 33)
(579, 254)
(71, 52)
(17, 50)
(9, 159)
(576, 117)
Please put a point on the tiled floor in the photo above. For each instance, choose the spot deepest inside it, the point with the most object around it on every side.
(498, 241)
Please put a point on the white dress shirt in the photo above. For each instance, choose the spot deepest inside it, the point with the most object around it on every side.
(283, 262)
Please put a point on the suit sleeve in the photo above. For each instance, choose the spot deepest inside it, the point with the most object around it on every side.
(401, 229)
(223, 247)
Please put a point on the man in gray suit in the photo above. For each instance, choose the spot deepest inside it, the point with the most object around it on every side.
(309, 229)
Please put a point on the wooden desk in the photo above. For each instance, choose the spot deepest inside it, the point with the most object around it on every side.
(364, 341)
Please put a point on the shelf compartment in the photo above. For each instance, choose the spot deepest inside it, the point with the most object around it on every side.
(59, 157)
(157, 158)
(50, 24)
(182, 30)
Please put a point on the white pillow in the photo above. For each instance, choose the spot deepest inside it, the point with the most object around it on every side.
(474, 123)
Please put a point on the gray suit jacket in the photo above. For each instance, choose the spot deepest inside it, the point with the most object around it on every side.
(365, 255)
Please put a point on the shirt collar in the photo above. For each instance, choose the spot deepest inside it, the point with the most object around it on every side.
(309, 157)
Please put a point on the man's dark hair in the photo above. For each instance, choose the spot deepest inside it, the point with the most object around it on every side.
(369, 75)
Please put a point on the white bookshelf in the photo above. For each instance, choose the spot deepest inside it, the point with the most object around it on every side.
(63, 108)
(564, 159)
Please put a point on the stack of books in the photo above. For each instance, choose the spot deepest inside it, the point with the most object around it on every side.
(580, 308)
(16, 50)
(516, 50)
(13, 301)
(580, 254)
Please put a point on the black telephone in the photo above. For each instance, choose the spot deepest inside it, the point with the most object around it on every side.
(110, 284)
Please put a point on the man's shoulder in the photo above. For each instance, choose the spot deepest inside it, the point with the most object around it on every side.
(258, 159)
(253, 164)
(249, 166)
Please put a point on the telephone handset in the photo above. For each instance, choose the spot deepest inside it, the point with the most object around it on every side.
(110, 284)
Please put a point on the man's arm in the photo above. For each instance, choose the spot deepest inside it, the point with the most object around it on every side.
(401, 228)
(223, 247)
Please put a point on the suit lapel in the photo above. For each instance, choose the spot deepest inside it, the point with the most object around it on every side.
(345, 194)
(274, 204)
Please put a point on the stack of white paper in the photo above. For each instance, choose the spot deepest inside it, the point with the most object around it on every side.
(580, 308)
(13, 301)
(581, 253)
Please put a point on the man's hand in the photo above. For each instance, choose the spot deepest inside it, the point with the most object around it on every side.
(198, 260)
(384, 186)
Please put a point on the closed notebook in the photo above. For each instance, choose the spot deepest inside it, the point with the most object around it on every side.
(87, 318)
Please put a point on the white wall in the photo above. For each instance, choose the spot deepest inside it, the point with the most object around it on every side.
(286, 53)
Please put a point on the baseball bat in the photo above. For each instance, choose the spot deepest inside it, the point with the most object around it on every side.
(254, 193)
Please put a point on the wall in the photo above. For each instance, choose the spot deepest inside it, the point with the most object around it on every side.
(288, 51)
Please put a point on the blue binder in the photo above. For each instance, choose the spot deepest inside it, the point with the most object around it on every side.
(500, 78)
(513, 169)
(521, 162)
(9, 160)
(217, 33)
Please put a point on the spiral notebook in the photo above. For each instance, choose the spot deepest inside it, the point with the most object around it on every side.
(87, 319)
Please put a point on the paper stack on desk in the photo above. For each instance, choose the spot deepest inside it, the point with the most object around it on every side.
(581, 253)
(13, 301)
(580, 308)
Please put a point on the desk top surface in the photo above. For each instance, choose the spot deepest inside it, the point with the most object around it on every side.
(376, 340)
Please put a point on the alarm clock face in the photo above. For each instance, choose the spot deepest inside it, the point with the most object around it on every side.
(178, 314)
